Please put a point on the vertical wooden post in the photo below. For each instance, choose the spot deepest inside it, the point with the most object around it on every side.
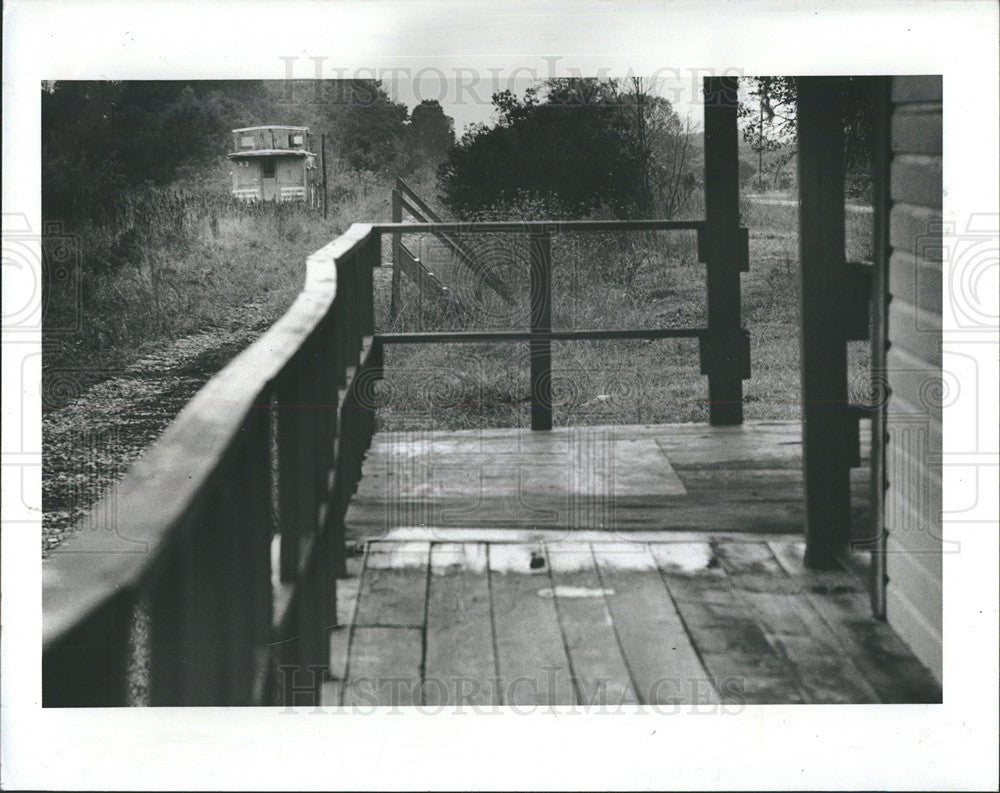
(541, 322)
(397, 240)
(165, 636)
(881, 157)
(203, 657)
(824, 356)
(237, 514)
(371, 259)
(290, 471)
(322, 160)
(725, 353)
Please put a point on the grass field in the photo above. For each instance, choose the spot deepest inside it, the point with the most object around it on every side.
(153, 304)
(169, 263)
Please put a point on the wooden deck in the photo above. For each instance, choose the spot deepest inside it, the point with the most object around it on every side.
(700, 622)
(601, 566)
(688, 477)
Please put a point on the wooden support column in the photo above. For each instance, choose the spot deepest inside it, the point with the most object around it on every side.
(541, 322)
(89, 667)
(725, 349)
(825, 441)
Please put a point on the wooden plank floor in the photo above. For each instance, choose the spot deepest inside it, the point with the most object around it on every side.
(602, 566)
(670, 622)
(687, 477)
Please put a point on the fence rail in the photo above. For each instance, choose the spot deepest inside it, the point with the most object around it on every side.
(724, 346)
(227, 535)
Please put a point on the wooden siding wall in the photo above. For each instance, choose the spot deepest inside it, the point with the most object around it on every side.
(290, 171)
(913, 362)
(246, 173)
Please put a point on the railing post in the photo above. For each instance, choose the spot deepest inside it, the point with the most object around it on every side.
(541, 322)
(290, 471)
(397, 240)
(725, 349)
(881, 158)
(824, 356)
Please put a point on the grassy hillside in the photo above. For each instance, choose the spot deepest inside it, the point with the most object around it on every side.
(175, 261)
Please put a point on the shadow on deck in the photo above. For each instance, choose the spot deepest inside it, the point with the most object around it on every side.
(602, 566)
(689, 477)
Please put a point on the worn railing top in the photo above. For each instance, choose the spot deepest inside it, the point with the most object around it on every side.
(127, 533)
(537, 227)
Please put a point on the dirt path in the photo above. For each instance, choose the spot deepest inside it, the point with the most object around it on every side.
(91, 441)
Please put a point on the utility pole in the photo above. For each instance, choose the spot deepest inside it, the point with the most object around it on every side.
(322, 161)
(760, 140)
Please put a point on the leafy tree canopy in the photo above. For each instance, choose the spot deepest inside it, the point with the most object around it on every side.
(432, 133)
(99, 138)
(769, 123)
(584, 142)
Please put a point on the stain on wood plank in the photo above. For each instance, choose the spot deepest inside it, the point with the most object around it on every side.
(878, 653)
(532, 661)
(383, 667)
(791, 624)
(600, 675)
(753, 567)
(664, 664)
(744, 666)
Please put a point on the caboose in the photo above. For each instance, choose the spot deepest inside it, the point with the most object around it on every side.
(274, 163)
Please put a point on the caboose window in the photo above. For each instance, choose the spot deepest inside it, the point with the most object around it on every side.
(246, 142)
(296, 140)
(267, 169)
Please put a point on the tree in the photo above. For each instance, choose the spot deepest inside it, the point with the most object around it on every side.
(769, 125)
(100, 138)
(432, 133)
(368, 130)
(581, 142)
(663, 150)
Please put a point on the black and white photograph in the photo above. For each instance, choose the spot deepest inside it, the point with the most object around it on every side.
(477, 396)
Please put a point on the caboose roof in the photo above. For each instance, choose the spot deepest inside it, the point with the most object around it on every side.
(271, 126)
(271, 153)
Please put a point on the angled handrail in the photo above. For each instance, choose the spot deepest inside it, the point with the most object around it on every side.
(425, 215)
